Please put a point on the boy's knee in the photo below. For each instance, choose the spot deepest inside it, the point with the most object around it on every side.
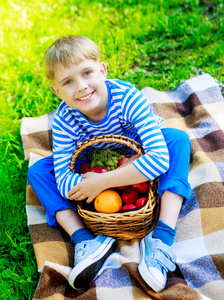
(183, 140)
(183, 136)
(177, 140)
(37, 170)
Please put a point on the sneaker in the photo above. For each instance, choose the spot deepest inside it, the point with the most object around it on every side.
(89, 258)
(156, 259)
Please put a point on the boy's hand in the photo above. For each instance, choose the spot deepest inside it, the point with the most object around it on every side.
(89, 188)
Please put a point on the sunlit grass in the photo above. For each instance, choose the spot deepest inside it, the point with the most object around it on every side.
(153, 43)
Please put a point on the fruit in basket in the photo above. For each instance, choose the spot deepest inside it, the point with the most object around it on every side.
(107, 158)
(108, 201)
(122, 187)
(98, 169)
(121, 161)
(141, 202)
(129, 195)
(128, 206)
(84, 168)
(142, 187)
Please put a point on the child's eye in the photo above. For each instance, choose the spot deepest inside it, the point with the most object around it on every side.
(68, 82)
(87, 73)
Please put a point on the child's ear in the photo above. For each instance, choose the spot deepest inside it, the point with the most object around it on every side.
(103, 69)
(55, 91)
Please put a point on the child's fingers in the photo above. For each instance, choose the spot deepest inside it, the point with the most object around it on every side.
(75, 193)
(89, 200)
(72, 191)
(77, 196)
(74, 196)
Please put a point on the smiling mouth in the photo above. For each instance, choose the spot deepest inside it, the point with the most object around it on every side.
(86, 97)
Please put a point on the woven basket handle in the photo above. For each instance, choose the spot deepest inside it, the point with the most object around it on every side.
(106, 138)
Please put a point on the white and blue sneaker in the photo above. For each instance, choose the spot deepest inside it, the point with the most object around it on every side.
(89, 258)
(156, 259)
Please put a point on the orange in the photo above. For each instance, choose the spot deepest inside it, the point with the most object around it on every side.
(108, 202)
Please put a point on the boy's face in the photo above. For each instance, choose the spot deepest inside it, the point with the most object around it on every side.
(82, 87)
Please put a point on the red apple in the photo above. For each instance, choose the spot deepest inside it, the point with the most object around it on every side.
(141, 202)
(84, 168)
(142, 187)
(128, 206)
(129, 195)
(98, 169)
(123, 187)
(121, 161)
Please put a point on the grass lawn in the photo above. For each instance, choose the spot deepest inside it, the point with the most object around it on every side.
(155, 43)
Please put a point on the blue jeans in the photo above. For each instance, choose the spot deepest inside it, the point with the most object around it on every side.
(41, 176)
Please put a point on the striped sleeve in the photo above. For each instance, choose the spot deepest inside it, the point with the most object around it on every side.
(137, 111)
(63, 148)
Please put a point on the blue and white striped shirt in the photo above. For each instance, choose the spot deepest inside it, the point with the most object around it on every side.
(128, 114)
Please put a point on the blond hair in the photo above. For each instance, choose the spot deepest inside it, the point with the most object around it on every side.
(67, 50)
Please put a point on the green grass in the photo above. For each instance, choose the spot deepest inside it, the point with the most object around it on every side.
(149, 43)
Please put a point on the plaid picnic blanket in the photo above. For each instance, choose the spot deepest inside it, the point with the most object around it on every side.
(197, 107)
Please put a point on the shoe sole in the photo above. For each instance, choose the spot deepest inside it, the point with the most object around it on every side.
(146, 275)
(83, 274)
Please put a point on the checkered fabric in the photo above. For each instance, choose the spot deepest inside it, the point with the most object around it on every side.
(197, 107)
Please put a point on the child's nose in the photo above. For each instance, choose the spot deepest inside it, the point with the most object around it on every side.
(82, 85)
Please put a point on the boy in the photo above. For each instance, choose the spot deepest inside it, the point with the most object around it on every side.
(92, 106)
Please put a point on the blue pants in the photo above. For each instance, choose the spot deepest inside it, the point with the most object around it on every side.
(41, 176)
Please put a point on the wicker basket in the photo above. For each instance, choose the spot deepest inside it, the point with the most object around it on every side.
(125, 225)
